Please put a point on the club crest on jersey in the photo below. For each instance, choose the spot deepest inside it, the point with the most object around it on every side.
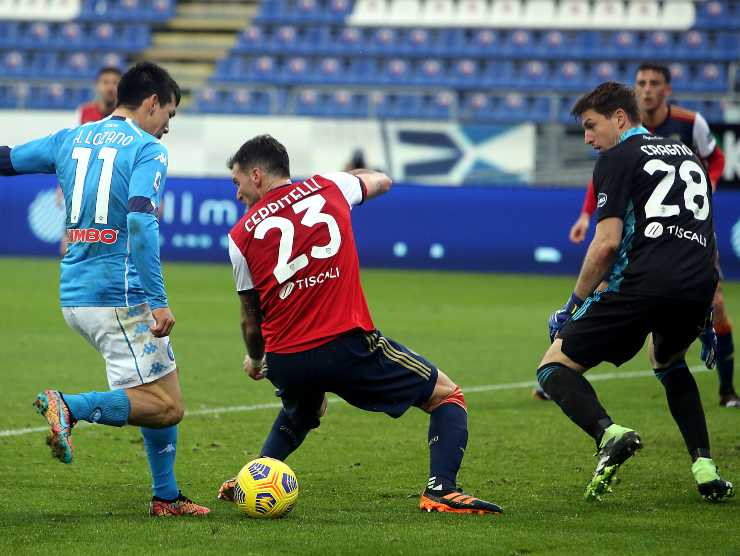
(92, 235)
(602, 200)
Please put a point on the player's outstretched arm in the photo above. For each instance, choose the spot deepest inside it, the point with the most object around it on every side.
(376, 183)
(34, 157)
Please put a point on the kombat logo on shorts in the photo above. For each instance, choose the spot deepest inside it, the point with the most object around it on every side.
(92, 235)
(601, 200)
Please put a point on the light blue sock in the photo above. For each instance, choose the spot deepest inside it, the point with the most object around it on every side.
(161, 448)
(108, 408)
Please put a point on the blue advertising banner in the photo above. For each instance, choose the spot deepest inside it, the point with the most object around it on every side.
(457, 228)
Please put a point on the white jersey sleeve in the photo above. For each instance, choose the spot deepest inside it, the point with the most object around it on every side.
(704, 141)
(242, 275)
(350, 186)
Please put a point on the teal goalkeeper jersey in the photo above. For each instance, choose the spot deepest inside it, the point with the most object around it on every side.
(108, 170)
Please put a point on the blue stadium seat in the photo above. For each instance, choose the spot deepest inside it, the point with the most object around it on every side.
(246, 101)
(273, 11)
(306, 12)
(512, 109)
(103, 35)
(330, 70)
(519, 44)
(345, 104)
(262, 69)
(693, 45)
(622, 44)
(484, 42)
(534, 75)
(710, 77)
(252, 39)
(383, 42)
(310, 102)
(70, 36)
(14, 64)
(565, 105)
(283, 40)
(450, 42)
(438, 106)
(430, 72)
(602, 71)
(208, 99)
(295, 70)
(337, 11)
(658, 45)
(363, 71)
(539, 110)
(478, 108)
(399, 106)
(498, 74)
(680, 77)
(8, 96)
(395, 71)
(36, 35)
(10, 33)
(318, 40)
(415, 42)
(727, 45)
(350, 41)
(568, 76)
(77, 65)
(465, 74)
(713, 14)
(555, 44)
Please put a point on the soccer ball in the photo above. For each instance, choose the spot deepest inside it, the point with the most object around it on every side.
(266, 488)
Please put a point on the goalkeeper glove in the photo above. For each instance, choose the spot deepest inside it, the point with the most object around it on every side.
(708, 339)
(558, 318)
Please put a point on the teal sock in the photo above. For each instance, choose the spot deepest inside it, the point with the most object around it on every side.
(107, 408)
(161, 448)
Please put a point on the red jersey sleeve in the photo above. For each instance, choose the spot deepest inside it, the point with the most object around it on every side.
(715, 165)
(589, 199)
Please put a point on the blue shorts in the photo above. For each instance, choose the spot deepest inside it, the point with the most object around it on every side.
(366, 369)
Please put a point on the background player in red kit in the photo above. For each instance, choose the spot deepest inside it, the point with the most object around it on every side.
(305, 318)
(653, 88)
(106, 94)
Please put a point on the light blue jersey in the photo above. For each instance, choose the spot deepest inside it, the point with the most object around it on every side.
(112, 174)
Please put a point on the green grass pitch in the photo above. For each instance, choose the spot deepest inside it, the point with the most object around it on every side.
(360, 473)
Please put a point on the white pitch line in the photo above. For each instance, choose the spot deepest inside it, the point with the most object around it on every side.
(625, 375)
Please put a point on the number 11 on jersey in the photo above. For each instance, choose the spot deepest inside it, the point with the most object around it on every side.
(82, 156)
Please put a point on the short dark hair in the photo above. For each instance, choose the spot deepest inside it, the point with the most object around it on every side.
(606, 99)
(107, 69)
(264, 151)
(654, 66)
(144, 80)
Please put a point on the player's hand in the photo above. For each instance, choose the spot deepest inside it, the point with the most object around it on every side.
(558, 318)
(580, 227)
(164, 321)
(256, 369)
(708, 339)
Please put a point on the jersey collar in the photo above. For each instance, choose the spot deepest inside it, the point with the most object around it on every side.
(639, 130)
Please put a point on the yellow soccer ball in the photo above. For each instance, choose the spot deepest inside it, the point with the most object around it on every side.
(266, 488)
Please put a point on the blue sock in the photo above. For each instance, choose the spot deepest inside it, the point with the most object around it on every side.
(448, 437)
(284, 438)
(108, 408)
(725, 363)
(161, 448)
